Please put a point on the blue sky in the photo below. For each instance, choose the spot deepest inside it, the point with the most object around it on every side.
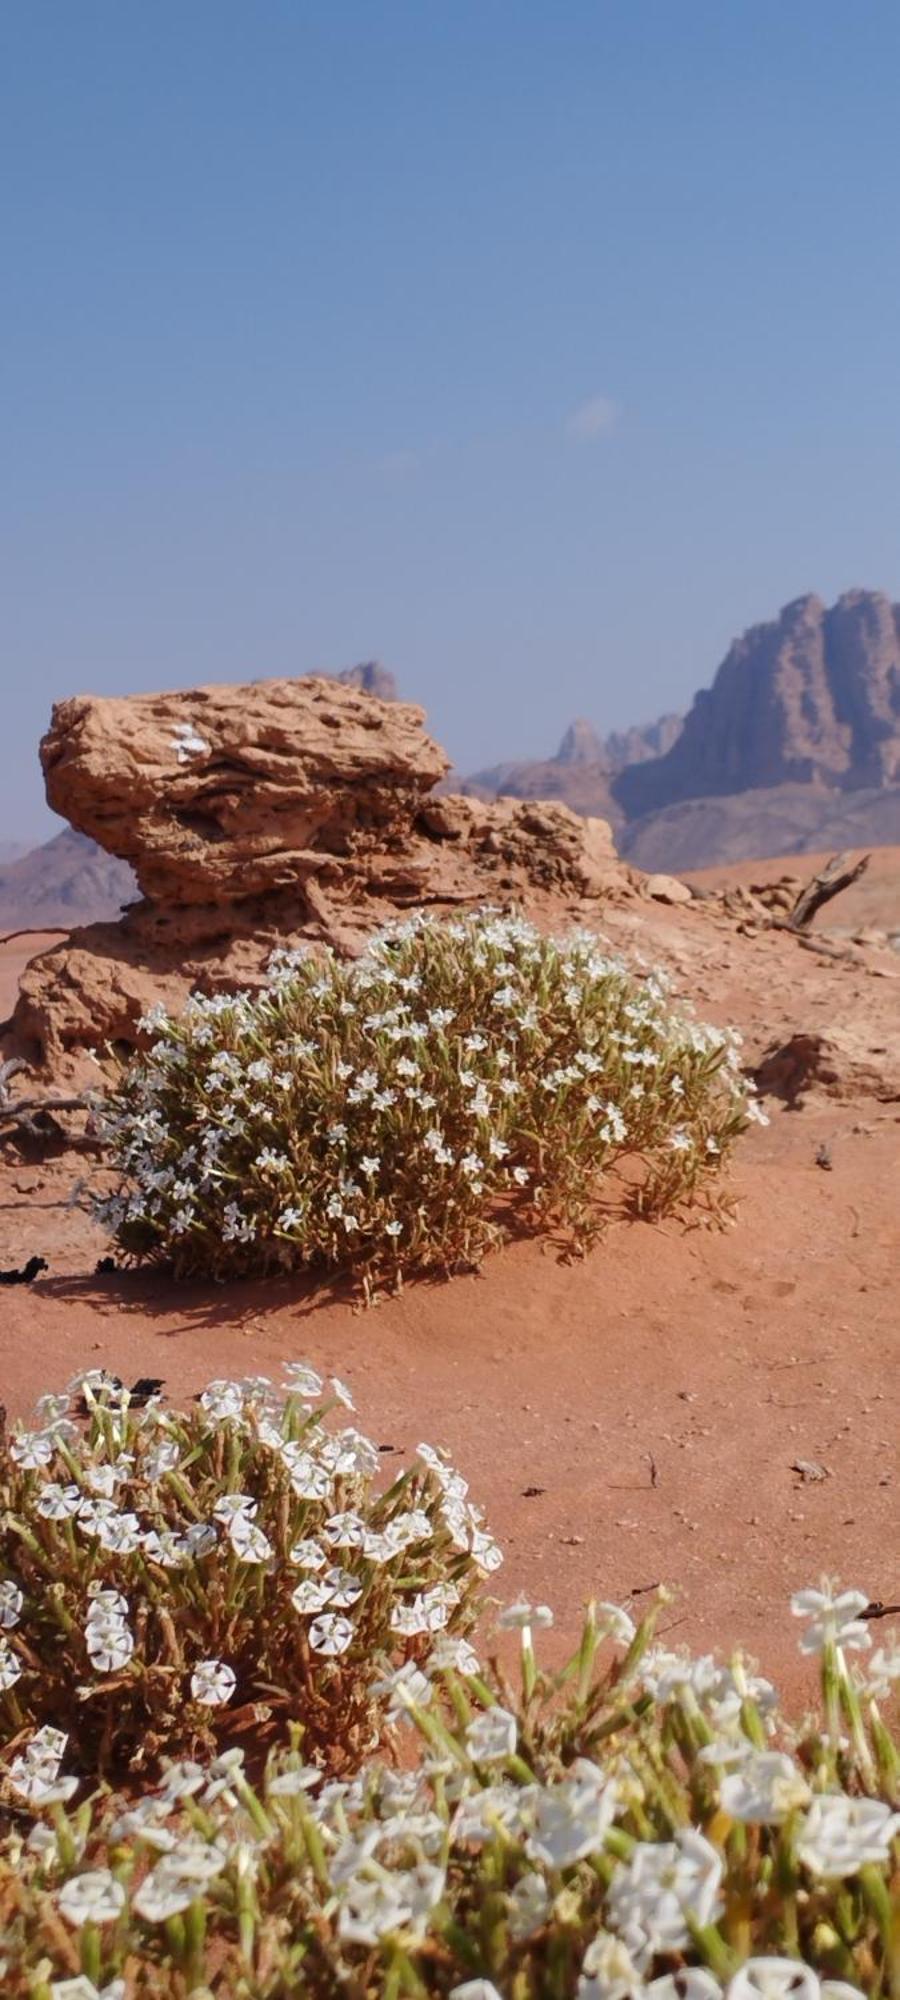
(534, 349)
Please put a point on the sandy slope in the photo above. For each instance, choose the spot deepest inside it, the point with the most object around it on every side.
(658, 1394)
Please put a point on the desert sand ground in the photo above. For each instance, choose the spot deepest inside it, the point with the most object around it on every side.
(712, 1409)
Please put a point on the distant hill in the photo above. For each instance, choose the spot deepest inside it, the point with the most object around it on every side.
(68, 881)
(783, 819)
(372, 677)
(581, 773)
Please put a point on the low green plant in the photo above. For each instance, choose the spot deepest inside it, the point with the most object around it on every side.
(398, 1111)
(639, 1826)
(169, 1579)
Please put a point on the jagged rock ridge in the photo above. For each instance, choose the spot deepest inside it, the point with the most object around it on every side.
(811, 698)
(582, 771)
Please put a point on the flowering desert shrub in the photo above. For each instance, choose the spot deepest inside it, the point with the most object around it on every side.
(168, 1580)
(640, 1826)
(393, 1112)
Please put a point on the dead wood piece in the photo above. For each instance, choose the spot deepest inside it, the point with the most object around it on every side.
(37, 930)
(837, 874)
(841, 953)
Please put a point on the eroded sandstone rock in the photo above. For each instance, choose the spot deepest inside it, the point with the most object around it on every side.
(276, 812)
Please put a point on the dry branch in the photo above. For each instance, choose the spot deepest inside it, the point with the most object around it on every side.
(837, 874)
(24, 1111)
(36, 930)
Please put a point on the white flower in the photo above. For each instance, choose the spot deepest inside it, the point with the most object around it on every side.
(342, 1392)
(293, 1783)
(230, 1506)
(609, 1971)
(492, 1736)
(345, 1531)
(58, 1503)
(767, 1787)
(343, 1588)
(372, 1909)
(109, 1643)
(651, 1894)
(475, 1989)
(11, 1602)
(523, 1617)
(310, 1596)
(309, 1480)
(407, 1688)
(774, 1979)
(32, 1449)
(571, 1818)
(883, 1669)
(162, 1895)
(613, 1621)
(454, 1654)
(303, 1380)
(331, 1634)
(223, 1399)
(95, 1898)
(835, 1618)
(10, 1670)
(121, 1534)
(529, 1905)
(840, 1834)
(248, 1541)
(213, 1683)
(307, 1554)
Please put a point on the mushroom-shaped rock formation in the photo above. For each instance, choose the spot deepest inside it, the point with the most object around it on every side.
(277, 812)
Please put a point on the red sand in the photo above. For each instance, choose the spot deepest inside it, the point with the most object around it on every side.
(658, 1394)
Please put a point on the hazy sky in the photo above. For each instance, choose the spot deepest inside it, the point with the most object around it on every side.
(532, 346)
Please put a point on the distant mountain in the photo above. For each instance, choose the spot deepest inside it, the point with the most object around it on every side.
(748, 826)
(796, 746)
(66, 882)
(582, 772)
(372, 677)
(811, 698)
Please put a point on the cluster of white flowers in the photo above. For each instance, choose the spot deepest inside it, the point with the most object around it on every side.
(372, 1104)
(109, 1640)
(392, 1848)
(126, 1509)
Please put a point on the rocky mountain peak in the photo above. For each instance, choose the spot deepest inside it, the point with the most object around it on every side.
(371, 678)
(812, 697)
(581, 745)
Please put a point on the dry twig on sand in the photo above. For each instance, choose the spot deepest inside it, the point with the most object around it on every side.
(837, 874)
(23, 1113)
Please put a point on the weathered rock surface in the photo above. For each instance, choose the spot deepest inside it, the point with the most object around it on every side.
(844, 1061)
(811, 698)
(284, 810)
(232, 792)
